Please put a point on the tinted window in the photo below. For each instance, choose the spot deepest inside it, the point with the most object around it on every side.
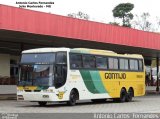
(76, 61)
(101, 62)
(123, 64)
(88, 61)
(113, 63)
(61, 58)
(133, 64)
(140, 65)
(38, 58)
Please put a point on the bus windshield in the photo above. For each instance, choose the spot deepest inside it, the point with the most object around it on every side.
(38, 75)
(38, 58)
(43, 69)
(37, 69)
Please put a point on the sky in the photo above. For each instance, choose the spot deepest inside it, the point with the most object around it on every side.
(98, 10)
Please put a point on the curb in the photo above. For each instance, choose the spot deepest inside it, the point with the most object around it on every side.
(8, 96)
(152, 93)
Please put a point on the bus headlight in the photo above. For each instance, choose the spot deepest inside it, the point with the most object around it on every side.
(19, 91)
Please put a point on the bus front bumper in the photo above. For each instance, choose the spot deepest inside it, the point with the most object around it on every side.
(39, 96)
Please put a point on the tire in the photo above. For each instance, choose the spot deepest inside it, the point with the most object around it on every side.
(72, 98)
(98, 100)
(123, 95)
(129, 95)
(42, 103)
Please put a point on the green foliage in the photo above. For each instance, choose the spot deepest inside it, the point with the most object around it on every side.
(122, 11)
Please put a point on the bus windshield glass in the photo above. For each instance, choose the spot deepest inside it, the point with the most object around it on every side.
(46, 58)
(37, 69)
(37, 75)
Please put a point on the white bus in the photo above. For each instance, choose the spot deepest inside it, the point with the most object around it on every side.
(64, 74)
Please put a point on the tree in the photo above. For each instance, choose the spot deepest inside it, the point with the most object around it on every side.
(143, 22)
(122, 11)
(157, 24)
(79, 15)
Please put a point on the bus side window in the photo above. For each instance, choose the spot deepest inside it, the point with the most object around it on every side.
(75, 60)
(133, 64)
(101, 62)
(113, 63)
(123, 64)
(89, 61)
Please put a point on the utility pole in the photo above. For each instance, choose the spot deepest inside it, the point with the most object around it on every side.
(157, 60)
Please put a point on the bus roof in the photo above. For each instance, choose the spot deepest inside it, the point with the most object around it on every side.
(81, 50)
(103, 52)
(45, 50)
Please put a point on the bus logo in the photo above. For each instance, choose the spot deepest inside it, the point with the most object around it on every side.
(115, 75)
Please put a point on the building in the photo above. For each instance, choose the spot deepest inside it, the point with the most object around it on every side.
(22, 29)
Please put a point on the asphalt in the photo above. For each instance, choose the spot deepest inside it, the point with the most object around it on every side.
(152, 93)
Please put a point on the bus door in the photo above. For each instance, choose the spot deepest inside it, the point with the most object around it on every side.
(60, 69)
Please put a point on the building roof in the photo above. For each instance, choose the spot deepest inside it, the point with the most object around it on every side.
(23, 20)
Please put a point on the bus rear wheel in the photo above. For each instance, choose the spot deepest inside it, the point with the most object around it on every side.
(42, 103)
(122, 98)
(72, 98)
(129, 95)
(123, 95)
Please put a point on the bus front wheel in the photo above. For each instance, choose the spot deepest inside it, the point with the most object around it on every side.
(72, 98)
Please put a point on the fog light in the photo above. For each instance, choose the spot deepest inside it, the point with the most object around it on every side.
(20, 97)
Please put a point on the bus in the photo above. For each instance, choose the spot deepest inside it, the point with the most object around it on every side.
(68, 75)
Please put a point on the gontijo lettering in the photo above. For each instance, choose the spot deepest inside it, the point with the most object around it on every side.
(115, 75)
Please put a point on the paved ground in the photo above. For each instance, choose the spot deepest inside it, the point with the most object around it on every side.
(10, 108)
(145, 104)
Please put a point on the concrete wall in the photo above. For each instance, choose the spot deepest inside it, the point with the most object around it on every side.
(4, 64)
(17, 58)
(8, 89)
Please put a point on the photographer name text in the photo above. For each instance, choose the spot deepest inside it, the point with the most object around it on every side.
(32, 4)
